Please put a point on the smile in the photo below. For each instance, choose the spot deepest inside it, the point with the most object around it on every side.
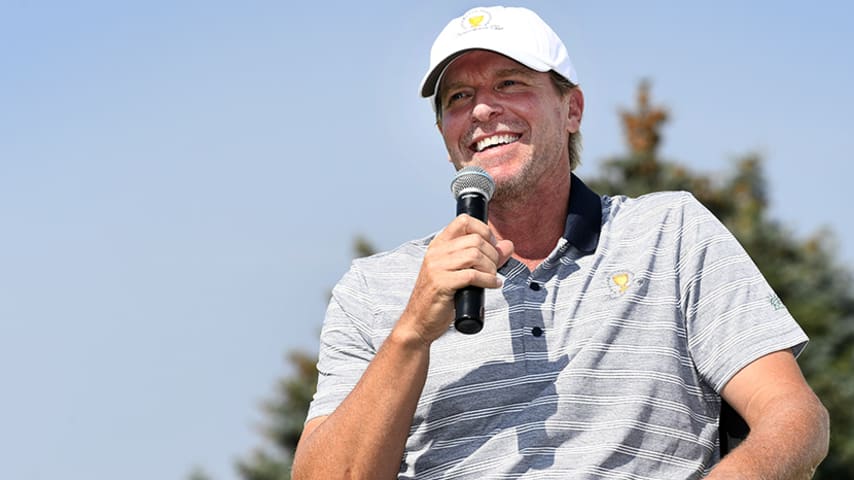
(494, 140)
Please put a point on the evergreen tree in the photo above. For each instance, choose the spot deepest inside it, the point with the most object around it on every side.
(286, 411)
(198, 474)
(285, 414)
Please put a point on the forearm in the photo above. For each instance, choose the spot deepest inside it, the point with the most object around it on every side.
(787, 442)
(366, 435)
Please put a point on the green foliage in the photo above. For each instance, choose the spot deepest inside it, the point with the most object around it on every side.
(815, 288)
(362, 247)
(198, 473)
(287, 410)
(285, 414)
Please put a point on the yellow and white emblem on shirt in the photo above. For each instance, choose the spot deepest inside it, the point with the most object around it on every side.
(619, 282)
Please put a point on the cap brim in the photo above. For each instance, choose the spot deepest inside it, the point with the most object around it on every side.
(428, 85)
(431, 80)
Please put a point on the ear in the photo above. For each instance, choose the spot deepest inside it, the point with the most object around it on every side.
(576, 109)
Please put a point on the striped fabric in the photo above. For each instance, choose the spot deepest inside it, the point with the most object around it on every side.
(605, 362)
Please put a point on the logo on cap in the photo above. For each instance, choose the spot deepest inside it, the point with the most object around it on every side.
(476, 19)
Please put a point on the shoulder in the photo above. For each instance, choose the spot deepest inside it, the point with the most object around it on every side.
(651, 210)
(387, 272)
(662, 200)
(401, 257)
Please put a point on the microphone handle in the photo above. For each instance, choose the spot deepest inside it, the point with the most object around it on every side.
(468, 301)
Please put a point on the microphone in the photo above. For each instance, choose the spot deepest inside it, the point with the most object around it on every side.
(473, 188)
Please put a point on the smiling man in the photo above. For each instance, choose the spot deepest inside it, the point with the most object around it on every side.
(613, 328)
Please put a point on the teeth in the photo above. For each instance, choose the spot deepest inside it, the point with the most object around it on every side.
(495, 140)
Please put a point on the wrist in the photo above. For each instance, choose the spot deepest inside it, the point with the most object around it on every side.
(408, 337)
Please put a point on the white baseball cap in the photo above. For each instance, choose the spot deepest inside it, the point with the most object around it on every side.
(514, 32)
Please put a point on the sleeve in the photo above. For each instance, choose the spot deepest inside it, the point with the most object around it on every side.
(732, 314)
(346, 348)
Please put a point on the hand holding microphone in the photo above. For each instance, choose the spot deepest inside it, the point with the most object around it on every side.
(459, 263)
(473, 188)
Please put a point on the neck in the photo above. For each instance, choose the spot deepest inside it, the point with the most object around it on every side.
(534, 223)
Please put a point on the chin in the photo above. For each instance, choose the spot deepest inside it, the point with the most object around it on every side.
(504, 173)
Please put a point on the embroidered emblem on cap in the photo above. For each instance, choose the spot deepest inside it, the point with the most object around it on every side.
(475, 19)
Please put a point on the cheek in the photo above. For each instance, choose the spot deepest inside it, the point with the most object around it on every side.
(451, 134)
(446, 138)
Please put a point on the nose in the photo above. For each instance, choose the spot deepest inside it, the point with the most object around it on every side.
(486, 106)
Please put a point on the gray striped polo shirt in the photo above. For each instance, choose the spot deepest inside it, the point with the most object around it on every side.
(604, 362)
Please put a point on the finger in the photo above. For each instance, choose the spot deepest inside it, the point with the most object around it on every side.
(505, 249)
(480, 246)
(465, 253)
(482, 259)
(463, 225)
(476, 278)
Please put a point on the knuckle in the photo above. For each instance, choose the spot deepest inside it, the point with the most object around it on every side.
(463, 220)
(472, 256)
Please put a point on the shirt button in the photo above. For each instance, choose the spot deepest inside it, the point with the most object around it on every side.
(537, 331)
(534, 286)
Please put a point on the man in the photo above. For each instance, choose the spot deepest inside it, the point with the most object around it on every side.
(613, 325)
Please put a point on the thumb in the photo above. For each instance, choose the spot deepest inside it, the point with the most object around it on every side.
(505, 251)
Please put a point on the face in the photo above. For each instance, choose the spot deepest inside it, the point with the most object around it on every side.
(509, 120)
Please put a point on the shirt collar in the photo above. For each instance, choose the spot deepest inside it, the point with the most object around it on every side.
(584, 221)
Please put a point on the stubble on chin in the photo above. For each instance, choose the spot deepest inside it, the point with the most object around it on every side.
(512, 191)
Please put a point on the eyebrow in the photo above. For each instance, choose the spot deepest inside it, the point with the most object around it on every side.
(508, 72)
(502, 73)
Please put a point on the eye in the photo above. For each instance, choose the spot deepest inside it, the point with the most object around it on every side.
(455, 97)
(510, 83)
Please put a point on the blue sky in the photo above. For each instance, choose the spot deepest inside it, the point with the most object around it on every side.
(180, 183)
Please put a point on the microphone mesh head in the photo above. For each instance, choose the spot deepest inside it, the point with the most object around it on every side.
(473, 180)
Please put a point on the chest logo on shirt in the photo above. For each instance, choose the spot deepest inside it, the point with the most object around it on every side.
(619, 282)
(775, 302)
